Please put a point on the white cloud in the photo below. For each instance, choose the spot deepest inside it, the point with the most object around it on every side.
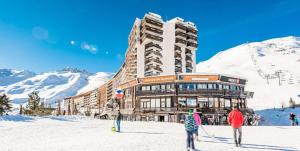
(89, 47)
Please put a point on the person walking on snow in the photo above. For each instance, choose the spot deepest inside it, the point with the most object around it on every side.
(198, 123)
(118, 121)
(190, 126)
(235, 119)
(292, 118)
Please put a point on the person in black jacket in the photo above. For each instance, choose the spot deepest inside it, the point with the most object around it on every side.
(118, 121)
(292, 118)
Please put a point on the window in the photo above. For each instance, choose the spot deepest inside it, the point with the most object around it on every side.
(227, 103)
(182, 101)
(210, 102)
(210, 86)
(157, 102)
(220, 86)
(202, 86)
(203, 102)
(155, 87)
(191, 86)
(163, 102)
(152, 103)
(168, 102)
(191, 101)
(163, 87)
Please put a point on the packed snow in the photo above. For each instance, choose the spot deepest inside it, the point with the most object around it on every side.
(271, 68)
(22, 133)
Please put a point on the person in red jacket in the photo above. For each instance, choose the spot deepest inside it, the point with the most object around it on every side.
(236, 120)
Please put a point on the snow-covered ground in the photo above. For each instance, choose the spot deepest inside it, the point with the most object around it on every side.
(19, 133)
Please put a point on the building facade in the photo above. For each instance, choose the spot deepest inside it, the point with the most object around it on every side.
(159, 80)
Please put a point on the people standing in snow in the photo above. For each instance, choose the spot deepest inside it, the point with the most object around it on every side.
(118, 121)
(190, 127)
(236, 119)
(198, 123)
(292, 119)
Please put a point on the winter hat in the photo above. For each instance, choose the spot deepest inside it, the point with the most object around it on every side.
(190, 112)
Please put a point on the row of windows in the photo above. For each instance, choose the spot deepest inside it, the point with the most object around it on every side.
(192, 86)
(162, 102)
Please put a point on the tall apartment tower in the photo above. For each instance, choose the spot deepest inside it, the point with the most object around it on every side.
(156, 47)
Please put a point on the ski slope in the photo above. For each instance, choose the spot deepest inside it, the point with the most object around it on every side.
(82, 134)
(271, 68)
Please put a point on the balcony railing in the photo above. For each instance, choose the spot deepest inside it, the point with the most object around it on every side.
(158, 69)
(181, 41)
(150, 36)
(154, 22)
(191, 44)
(181, 34)
(151, 44)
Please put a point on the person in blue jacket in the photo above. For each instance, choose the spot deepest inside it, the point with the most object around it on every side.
(190, 126)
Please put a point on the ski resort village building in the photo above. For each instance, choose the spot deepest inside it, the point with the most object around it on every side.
(159, 80)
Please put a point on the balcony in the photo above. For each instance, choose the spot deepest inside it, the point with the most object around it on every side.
(157, 61)
(151, 44)
(177, 49)
(188, 52)
(152, 29)
(149, 67)
(153, 22)
(191, 44)
(157, 53)
(150, 36)
(180, 41)
(192, 38)
(192, 31)
(180, 26)
(158, 68)
(181, 34)
(189, 64)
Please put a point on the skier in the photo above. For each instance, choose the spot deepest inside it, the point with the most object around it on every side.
(190, 126)
(292, 118)
(235, 119)
(198, 123)
(118, 121)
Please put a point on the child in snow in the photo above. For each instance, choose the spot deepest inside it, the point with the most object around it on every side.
(198, 123)
(190, 126)
(235, 119)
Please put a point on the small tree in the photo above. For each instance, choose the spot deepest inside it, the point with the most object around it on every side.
(292, 103)
(5, 105)
(33, 100)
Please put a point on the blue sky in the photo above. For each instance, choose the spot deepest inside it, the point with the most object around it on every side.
(92, 34)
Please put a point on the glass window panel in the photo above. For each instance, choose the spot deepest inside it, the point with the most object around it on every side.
(157, 102)
(168, 102)
(152, 103)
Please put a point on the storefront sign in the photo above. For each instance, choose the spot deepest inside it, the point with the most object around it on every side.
(232, 80)
(158, 79)
(128, 84)
(190, 78)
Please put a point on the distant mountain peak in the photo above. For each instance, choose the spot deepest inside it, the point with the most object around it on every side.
(75, 70)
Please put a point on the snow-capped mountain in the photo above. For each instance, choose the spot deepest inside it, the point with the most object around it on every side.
(9, 76)
(271, 68)
(52, 86)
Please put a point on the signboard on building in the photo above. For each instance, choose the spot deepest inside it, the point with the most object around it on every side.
(128, 84)
(158, 79)
(232, 80)
(194, 78)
